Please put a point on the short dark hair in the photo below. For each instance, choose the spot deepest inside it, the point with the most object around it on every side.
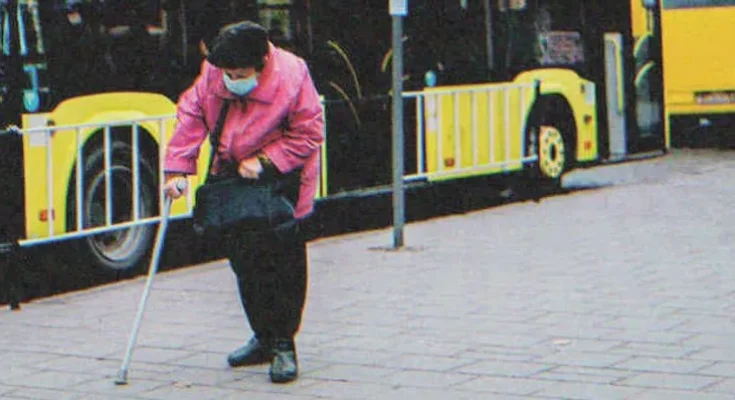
(239, 45)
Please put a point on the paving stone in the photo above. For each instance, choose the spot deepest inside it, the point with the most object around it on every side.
(159, 355)
(427, 379)
(598, 360)
(270, 396)
(584, 375)
(656, 337)
(658, 394)
(260, 382)
(492, 353)
(674, 365)
(348, 372)
(644, 323)
(92, 366)
(106, 388)
(582, 333)
(576, 390)
(12, 375)
(6, 389)
(670, 381)
(19, 359)
(498, 385)
(216, 345)
(504, 368)
(725, 369)
(52, 380)
(404, 393)
(726, 386)
(704, 340)
(715, 354)
(656, 350)
(150, 370)
(200, 360)
(558, 345)
(426, 363)
(188, 392)
(346, 355)
(348, 390)
(197, 376)
(40, 394)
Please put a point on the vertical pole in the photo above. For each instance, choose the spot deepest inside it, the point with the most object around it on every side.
(398, 194)
(489, 38)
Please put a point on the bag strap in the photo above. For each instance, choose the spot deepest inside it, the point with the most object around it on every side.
(215, 135)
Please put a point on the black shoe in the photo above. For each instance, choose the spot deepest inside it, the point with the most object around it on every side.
(253, 353)
(284, 368)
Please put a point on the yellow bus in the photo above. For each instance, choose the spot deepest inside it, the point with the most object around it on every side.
(699, 76)
(512, 88)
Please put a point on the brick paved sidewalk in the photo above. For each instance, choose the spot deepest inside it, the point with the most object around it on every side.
(622, 292)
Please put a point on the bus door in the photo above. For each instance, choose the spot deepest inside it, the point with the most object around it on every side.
(633, 90)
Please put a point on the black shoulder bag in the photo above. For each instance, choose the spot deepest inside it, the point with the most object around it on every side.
(229, 202)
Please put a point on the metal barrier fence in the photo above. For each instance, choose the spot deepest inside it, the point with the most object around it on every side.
(505, 103)
(493, 128)
(79, 225)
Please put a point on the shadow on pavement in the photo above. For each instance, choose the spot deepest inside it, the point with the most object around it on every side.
(53, 269)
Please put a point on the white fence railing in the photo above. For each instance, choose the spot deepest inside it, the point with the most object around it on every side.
(81, 226)
(496, 119)
(507, 104)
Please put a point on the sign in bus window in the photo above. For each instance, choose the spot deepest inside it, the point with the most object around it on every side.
(698, 3)
(560, 48)
(504, 5)
(275, 15)
(715, 97)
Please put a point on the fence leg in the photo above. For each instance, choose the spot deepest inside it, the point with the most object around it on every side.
(10, 273)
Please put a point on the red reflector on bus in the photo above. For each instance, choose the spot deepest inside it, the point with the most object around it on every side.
(43, 215)
(587, 145)
(449, 162)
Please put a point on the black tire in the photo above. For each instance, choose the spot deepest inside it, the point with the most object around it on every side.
(123, 250)
(550, 137)
(550, 144)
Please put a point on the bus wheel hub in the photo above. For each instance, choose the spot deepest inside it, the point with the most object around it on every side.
(551, 152)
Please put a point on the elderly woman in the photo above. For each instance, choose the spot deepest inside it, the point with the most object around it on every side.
(273, 127)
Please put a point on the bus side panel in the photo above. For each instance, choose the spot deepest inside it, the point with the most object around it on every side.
(580, 94)
(698, 58)
(88, 109)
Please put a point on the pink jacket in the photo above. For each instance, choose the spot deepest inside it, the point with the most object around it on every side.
(281, 117)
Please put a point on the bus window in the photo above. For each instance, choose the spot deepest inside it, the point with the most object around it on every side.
(275, 15)
(697, 3)
(559, 41)
(504, 5)
(541, 33)
(560, 48)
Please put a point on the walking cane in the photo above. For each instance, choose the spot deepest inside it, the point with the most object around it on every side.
(122, 375)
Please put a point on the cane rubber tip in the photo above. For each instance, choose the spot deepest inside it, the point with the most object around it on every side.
(122, 378)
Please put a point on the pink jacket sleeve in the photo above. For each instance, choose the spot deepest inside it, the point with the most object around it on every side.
(191, 127)
(305, 129)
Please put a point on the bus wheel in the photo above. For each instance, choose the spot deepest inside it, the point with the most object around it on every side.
(551, 154)
(544, 176)
(119, 250)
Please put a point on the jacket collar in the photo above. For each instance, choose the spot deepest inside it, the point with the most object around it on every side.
(268, 81)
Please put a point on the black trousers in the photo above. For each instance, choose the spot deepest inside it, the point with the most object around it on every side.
(271, 271)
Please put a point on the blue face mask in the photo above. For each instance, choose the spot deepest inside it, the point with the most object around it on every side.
(240, 87)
